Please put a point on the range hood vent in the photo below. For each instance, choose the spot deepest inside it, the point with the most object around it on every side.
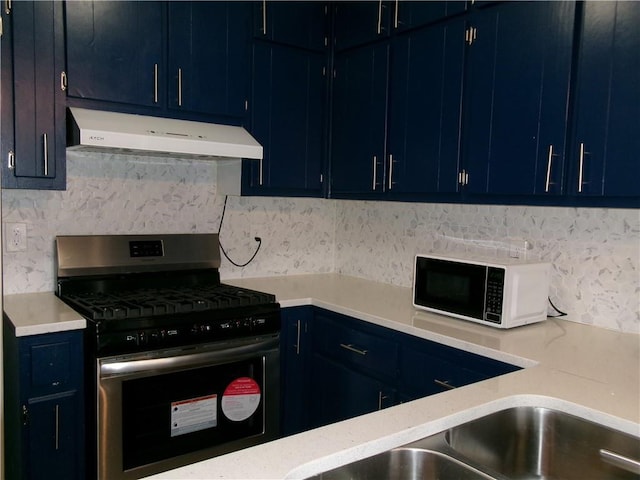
(96, 130)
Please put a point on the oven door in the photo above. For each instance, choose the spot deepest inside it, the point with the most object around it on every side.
(163, 409)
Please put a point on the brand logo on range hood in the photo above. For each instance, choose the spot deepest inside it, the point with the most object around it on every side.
(96, 138)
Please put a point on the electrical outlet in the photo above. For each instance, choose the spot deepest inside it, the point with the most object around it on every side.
(15, 237)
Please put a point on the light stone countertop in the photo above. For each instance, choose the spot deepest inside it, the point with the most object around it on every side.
(587, 371)
(37, 313)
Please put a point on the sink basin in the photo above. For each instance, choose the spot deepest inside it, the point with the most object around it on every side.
(532, 443)
(539, 443)
(404, 463)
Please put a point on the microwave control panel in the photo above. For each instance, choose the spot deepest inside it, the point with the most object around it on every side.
(494, 294)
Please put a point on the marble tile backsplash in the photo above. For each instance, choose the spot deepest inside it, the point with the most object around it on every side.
(595, 252)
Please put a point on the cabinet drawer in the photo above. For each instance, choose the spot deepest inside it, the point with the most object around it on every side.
(354, 347)
(427, 368)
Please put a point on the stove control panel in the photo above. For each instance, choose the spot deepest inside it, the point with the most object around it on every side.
(195, 331)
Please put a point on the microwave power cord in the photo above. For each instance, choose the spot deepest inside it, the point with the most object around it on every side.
(257, 239)
(560, 312)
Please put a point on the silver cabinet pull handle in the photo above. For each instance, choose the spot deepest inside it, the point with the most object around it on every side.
(379, 17)
(11, 160)
(264, 17)
(620, 461)
(179, 87)
(155, 83)
(298, 338)
(375, 172)
(45, 148)
(7, 7)
(381, 398)
(390, 171)
(549, 159)
(395, 23)
(581, 171)
(63, 81)
(260, 179)
(444, 384)
(351, 348)
(57, 427)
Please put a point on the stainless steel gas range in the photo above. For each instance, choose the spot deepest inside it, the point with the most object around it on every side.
(180, 366)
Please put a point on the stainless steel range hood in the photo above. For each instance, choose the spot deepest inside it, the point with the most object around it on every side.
(110, 131)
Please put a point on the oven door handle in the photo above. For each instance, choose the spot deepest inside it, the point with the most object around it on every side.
(172, 362)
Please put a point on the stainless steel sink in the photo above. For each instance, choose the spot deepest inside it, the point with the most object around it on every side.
(405, 463)
(539, 443)
(517, 443)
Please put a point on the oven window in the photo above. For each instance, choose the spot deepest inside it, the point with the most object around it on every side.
(172, 414)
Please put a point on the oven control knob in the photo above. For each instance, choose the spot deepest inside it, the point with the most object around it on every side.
(142, 338)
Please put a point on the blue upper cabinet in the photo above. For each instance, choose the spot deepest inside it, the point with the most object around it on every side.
(605, 161)
(517, 95)
(396, 115)
(359, 121)
(407, 14)
(358, 23)
(33, 98)
(179, 59)
(289, 99)
(424, 110)
(115, 52)
(300, 24)
(208, 70)
(288, 119)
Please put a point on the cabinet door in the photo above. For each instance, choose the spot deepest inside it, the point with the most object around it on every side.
(297, 23)
(516, 109)
(288, 115)
(33, 101)
(54, 437)
(409, 14)
(359, 120)
(605, 160)
(358, 23)
(115, 51)
(339, 393)
(208, 70)
(294, 348)
(424, 109)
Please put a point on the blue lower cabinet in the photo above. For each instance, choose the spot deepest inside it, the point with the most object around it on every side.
(294, 369)
(338, 392)
(336, 367)
(44, 405)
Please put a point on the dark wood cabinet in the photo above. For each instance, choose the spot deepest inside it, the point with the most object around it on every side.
(44, 405)
(33, 97)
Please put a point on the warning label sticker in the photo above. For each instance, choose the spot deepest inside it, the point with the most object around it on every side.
(194, 414)
(240, 399)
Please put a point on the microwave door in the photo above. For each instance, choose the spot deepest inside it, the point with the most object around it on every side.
(451, 287)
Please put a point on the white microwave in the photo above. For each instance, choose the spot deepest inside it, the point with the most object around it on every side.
(501, 293)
